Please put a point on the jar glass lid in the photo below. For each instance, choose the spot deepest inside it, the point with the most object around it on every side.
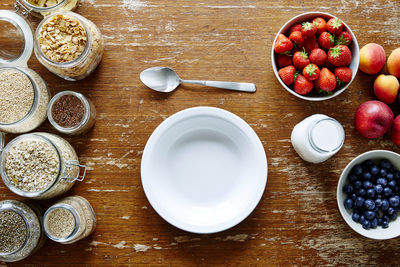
(16, 40)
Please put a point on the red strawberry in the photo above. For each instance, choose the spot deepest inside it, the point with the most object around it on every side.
(334, 26)
(283, 61)
(320, 23)
(295, 28)
(339, 55)
(310, 44)
(300, 60)
(343, 74)
(287, 74)
(308, 29)
(311, 72)
(326, 81)
(302, 86)
(326, 40)
(297, 38)
(283, 44)
(344, 38)
(318, 56)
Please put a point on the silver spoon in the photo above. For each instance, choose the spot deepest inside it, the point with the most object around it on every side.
(165, 80)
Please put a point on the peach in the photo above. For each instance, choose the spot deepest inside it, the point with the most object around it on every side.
(372, 58)
(393, 63)
(386, 88)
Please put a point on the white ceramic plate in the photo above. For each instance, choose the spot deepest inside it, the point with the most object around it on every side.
(204, 170)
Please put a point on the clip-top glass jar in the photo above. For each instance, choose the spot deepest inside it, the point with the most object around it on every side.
(69, 220)
(42, 8)
(24, 95)
(40, 166)
(71, 113)
(21, 233)
(68, 45)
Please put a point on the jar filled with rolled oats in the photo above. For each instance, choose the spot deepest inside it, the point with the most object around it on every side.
(40, 166)
(21, 233)
(69, 220)
(42, 8)
(68, 45)
(24, 95)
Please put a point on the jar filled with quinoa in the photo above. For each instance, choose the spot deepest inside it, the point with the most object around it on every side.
(71, 113)
(40, 166)
(21, 233)
(69, 220)
(68, 45)
(24, 95)
(42, 8)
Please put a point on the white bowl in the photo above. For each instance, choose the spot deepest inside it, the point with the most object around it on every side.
(379, 232)
(353, 47)
(204, 170)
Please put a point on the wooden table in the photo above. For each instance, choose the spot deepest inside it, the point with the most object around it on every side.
(297, 220)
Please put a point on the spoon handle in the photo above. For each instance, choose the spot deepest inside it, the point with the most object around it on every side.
(244, 87)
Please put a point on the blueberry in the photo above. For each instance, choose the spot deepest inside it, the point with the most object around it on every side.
(367, 176)
(371, 192)
(380, 222)
(387, 191)
(368, 163)
(390, 176)
(382, 172)
(385, 204)
(374, 223)
(385, 224)
(392, 184)
(362, 219)
(396, 188)
(353, 197)
(352, 178)
(397, 175)
(369, 204)
(374, 170)
(378, 202)
(369, 215)
(390, 211)
(381, 181)
(348, 203)
(362, 192)
(366, 224)
(393, 216)
(355, 217)
(360, 201)
(348, 189)
(367, 184)
(378, 188)
(394, 201)
(385, 164)
(357, 170)
(357, 184)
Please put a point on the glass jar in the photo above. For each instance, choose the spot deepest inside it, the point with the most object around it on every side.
(29, 108)
(86, 122)
(29, 7)
(40, 166)
(317, 138)
(69, 220)
(23, 234)
(79, 67)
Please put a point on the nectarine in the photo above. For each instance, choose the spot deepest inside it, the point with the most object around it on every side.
(393, 63)
(372, 58)
(386, 88)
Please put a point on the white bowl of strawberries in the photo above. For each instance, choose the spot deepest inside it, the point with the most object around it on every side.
(315, 56)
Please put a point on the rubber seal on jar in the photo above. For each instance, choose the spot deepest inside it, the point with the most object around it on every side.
(25, 29)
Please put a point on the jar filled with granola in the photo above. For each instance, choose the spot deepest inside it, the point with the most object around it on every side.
(21, 234)
(69, 220)
(24, 95)
(42, 8)
(71, 113)
(68, 45)
(40, 166)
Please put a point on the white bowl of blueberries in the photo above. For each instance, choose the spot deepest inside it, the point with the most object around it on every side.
(368, 194)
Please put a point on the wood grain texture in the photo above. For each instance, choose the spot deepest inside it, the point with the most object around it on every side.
(297, 221)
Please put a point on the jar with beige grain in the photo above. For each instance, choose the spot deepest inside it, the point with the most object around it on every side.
(42, 8)
(68, 45)
(40, 166)
(69, 220)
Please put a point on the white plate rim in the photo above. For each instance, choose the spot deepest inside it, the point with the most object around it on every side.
(235, 120)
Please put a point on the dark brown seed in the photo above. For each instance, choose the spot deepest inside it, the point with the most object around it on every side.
(68, 111)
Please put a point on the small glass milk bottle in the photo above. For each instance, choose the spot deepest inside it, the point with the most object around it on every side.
(317, 138)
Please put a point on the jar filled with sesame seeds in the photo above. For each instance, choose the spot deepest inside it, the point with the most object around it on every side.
(24, 95)
(40, 166)
(21, 232)
(42, 8)
(69, 220)
(69, 45)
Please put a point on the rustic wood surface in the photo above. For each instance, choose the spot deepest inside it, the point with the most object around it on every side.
(297, 221)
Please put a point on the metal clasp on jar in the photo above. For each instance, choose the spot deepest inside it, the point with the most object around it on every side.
(21, 8)
(2, 141)
(69, 166)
